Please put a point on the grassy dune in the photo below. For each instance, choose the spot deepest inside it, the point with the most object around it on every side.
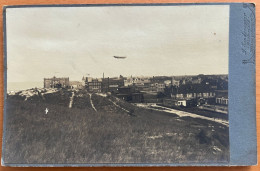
(82, 135)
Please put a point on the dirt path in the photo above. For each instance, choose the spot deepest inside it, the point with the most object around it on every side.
(91, 102)
(119, 106)
(181, 113)
(114, 103)
(71, 99)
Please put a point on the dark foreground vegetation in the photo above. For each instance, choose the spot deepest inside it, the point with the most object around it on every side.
(110, 133)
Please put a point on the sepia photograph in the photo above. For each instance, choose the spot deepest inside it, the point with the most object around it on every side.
(117, 84)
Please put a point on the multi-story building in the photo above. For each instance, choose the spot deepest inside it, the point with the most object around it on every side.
(93, 84)
(176, 83)
(56, 82)
(222, 97)
(196, 80)
(102, 84)
(159, 87)
(192, 92)
(136, 81)
(112, 84)
(159, 79)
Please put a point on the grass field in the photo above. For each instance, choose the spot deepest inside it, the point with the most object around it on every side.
(114, 132)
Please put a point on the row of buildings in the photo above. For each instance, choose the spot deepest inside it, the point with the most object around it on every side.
(97, 85)
(178, 90)
(203, 96)
(146, 84)
(94, 85)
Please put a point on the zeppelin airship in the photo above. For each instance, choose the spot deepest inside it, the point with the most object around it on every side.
(120, 57)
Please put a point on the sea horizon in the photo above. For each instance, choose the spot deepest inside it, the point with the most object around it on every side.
(18, 86)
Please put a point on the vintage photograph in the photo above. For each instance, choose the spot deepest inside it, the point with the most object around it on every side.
(122, 84)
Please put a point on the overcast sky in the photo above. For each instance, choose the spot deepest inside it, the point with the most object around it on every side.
(76, 41)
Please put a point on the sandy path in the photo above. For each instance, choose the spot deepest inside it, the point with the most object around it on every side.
(118, 106)
(181, 113)
(71, 99)
(91, 102)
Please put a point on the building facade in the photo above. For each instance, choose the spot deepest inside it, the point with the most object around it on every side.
(222, 97)
(56, 82)
(112, 84)
(93, 85)
(193, 92)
